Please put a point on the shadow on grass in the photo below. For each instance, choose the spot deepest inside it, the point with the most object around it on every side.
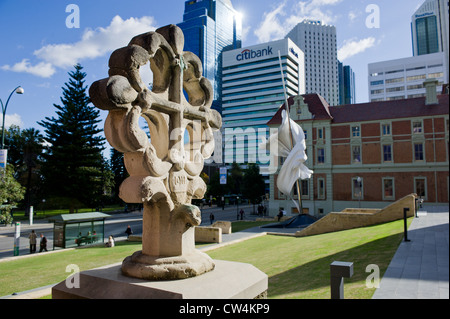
(312, 280)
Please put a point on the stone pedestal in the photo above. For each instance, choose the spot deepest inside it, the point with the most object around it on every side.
(229, 280)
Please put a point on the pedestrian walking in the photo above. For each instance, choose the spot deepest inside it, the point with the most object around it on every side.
(128, 231)
(32, 237)
(211, 218)
(43, 243)
(242, 214)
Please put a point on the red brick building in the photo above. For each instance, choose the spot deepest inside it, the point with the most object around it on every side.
(369, 155)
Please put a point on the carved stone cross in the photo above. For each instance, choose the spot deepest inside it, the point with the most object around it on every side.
(164, 171)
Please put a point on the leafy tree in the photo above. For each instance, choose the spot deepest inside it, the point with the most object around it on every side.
(235, 179)
(11, 192)
(74, 166)
(25, 148)
(254, 186)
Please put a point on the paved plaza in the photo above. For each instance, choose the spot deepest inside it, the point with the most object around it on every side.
(420, 267)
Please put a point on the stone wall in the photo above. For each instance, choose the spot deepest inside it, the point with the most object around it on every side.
(354, 218)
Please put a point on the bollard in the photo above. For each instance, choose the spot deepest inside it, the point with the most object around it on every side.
(339, 270)
(405, 226)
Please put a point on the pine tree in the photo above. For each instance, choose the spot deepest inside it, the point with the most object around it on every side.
(73, 166)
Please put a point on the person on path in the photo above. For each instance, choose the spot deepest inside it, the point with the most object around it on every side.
(43, 243)
(128, 231)
(32, 237)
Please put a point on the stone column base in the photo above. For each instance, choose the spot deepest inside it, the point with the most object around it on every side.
(228, 280)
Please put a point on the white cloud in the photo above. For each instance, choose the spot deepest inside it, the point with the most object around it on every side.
(11, 119)
(93, 44)
(276, 23)
(42, 69)
(352, 47)
(271, 28)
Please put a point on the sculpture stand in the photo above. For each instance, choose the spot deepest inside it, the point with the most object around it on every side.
(168, 234)
(229, 280)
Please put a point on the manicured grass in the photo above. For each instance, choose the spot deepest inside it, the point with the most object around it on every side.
(46, 269)
(297, 267)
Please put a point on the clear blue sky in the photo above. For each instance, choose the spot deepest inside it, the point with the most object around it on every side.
(37, 49)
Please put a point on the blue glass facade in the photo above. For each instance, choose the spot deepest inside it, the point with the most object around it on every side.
(427, 35)
(211, 27)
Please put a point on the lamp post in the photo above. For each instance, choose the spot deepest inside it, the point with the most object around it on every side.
(359, 180)
(18, 90)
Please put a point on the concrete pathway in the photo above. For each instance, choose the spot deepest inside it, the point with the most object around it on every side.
(420, 267)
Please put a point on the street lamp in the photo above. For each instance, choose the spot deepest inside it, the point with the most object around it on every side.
(18, 90)
(359, 180)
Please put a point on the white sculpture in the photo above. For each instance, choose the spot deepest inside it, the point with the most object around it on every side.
(291, 145)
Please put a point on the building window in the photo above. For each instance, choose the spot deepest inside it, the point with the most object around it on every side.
(356, 131)
(388, 188)
(356, 154)
(305, 188)
(396, 89)
(396, 80)
(387, 153)
(417, 127)
(386, 129)
(418, 152)
(321, 188)
(420, 187)
(379, 82)
(320, 155)
(320, 133)
(357, 188)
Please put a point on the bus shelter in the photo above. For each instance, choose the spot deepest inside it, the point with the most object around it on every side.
(73, 230)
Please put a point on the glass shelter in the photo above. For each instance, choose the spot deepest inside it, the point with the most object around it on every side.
(73, 230)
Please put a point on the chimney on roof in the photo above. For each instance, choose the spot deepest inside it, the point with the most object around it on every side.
(431, 94)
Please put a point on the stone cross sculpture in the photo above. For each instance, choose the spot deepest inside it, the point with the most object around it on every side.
(164, 171)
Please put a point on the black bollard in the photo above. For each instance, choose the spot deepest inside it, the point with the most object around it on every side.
(339, 270)
(405, 226)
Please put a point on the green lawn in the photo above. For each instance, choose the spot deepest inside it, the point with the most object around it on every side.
(297, 267)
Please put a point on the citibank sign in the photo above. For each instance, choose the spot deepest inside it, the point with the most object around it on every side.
(251, 54)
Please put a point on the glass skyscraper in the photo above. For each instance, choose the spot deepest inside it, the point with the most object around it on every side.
(211, 27)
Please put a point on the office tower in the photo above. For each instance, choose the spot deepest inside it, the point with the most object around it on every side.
(211, 27)
(318, 42)
(347, 94)
(430, 29)
(253, 93)
(403, 78)
(429, 25)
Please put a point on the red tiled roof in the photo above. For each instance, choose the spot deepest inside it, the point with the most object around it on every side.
(372, 111)
(317, 105)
